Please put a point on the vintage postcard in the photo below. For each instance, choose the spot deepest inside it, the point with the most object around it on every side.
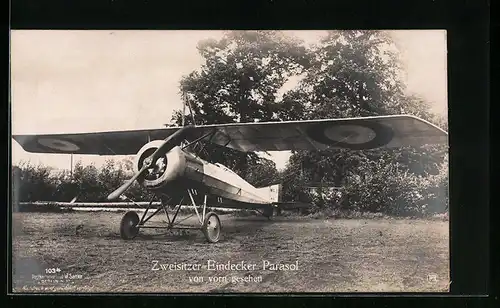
(229, 161)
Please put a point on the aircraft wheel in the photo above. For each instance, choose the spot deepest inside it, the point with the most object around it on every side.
(212, 227)
(128, 225)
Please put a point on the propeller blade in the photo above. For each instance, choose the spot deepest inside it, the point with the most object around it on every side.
(169, 143)
(120, 190)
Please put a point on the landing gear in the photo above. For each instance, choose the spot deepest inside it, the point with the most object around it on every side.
(278, 211)
(128, 225)
(211, 227)
(209, 224)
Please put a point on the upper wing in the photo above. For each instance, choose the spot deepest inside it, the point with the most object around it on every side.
(353, 133)
(101, 143)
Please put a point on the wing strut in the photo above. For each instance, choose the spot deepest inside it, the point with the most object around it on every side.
(190, 109)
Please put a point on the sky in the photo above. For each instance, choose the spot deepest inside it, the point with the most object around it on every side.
(80, 81)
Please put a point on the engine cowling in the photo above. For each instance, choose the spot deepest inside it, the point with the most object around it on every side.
(167, 169)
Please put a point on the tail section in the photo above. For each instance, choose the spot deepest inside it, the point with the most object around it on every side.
(271, 193)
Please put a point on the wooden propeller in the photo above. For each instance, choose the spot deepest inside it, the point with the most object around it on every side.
(169, 143)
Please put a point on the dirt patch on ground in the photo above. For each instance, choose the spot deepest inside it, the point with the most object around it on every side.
(86, 254)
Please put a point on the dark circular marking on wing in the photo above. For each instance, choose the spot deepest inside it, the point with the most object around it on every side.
(383, 134)
(57, 144)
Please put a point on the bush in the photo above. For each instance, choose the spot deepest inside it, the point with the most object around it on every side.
(387, 189)
(89, 184)
(32, 183)
(378, 186)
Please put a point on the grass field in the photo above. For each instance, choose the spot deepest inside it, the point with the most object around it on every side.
(86, 254)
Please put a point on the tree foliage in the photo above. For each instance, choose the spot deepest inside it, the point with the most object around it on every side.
(347, 74)
(32, 182)
(87, 183)
(240, 82)
(241, 76)
(356, 74)
(263, 173)
(352, 73)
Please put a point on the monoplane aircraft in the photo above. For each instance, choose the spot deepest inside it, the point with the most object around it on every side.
(167, 159)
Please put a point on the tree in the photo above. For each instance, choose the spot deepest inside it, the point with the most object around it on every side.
(239, 82)
(356, 74)
(86, 180)
(111, 176)
(263, 173)
(352, 74)
(242, 75)
(32, 182)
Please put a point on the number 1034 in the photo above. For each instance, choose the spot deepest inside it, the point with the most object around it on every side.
(52, 270)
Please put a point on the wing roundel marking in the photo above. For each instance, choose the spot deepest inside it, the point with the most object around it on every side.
(58, 144)
(355, 135)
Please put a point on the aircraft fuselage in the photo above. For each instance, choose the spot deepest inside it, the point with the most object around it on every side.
(180, 170)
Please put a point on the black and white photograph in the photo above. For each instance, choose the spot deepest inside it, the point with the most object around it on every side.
(229, 161)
